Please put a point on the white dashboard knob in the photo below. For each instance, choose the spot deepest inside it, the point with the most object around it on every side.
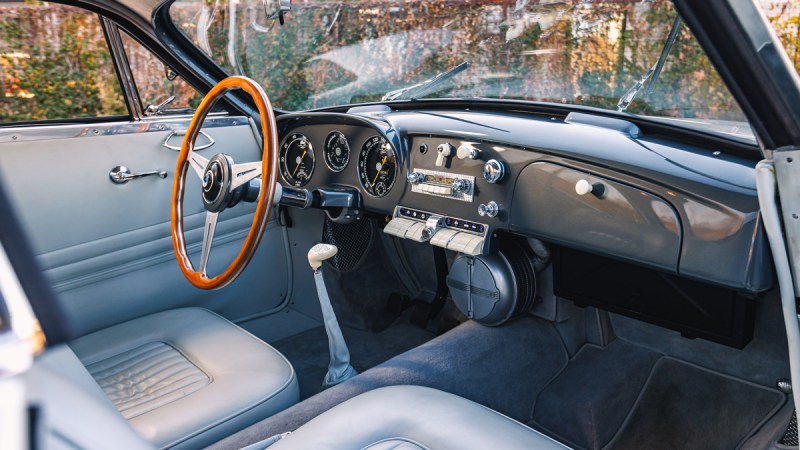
(444, 151)
(319, 253)
(583, 187)
(467, 151)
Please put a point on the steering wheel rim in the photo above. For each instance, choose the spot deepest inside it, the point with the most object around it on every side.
(237, 175)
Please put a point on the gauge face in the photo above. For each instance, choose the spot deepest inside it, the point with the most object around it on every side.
(377, 166)
(297, 159)
(337, 151)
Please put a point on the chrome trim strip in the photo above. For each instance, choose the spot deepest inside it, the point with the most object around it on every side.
(51, 132)
(120, 58)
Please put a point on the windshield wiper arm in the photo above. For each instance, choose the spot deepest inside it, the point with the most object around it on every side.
(654, 71)
(427, 86)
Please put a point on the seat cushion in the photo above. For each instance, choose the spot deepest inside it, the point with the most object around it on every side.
(187, 377)
(412, 418)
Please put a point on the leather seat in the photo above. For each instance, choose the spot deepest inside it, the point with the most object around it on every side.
(412, 418)
(187, 377)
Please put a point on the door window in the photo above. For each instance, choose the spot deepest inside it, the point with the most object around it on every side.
(55, 64)
(156, 82)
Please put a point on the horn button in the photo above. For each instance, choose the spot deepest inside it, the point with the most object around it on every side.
(217, 183)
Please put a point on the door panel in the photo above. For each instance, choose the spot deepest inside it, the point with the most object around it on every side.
(106, 247)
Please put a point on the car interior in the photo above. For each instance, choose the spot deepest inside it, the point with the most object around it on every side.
(219, 269)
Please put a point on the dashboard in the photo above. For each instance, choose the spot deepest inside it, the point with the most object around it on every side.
(457, 178)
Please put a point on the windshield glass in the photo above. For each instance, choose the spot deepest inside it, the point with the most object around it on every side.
(331, 53)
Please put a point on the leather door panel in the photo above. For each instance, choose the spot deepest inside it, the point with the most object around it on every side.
(106, 247)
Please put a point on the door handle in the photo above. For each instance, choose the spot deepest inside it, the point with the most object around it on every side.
(182, 133)
(121, 174)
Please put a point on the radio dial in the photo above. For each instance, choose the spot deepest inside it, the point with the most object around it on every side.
(416, 178)
(460, 185)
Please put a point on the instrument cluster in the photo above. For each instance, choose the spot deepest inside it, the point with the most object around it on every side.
(376, 165)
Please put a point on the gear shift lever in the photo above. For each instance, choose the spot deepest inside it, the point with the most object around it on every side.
(339, 368)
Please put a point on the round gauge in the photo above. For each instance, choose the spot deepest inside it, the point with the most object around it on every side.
(377, 166)
(337, 151)
(297, 159)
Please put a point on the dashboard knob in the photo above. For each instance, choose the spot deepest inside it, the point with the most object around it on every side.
(416, 178)
(467, 151)
(460, 185)
(427, 233)
(493, 171)
(444, 151)
(490, 209)
(583, 187)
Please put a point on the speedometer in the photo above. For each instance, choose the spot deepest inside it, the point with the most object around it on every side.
(297, 159)
(337, 151)
(377, 166)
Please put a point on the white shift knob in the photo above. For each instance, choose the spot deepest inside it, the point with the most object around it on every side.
(319, 253)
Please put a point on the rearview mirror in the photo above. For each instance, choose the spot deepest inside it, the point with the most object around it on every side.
(275, 8)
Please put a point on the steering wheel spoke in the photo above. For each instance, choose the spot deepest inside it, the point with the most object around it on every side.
(208, 239)
(220, 177)
(198, 162)
(245, 172)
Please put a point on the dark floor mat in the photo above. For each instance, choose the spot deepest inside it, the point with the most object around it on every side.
(687, 407)
(587, 403)
(308, 351)
(499, 367)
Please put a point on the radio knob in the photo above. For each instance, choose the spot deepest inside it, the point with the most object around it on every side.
(460, 185)
(467, 151)
(416, 178)
(490, 209)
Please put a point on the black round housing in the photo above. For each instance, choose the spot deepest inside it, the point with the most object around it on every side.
(493, 289)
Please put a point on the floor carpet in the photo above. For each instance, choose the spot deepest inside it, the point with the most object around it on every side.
(308, 351)
(685, 406)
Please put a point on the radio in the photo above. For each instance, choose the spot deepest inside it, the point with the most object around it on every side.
(442, 184)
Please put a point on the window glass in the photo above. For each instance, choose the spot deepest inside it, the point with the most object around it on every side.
(153, 81)
(784, 15)
(558, 51)
(54, 64)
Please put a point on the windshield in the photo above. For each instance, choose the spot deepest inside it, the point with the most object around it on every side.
(331, 53)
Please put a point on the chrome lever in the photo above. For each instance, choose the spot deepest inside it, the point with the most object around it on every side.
(155, 109)
(121, 174)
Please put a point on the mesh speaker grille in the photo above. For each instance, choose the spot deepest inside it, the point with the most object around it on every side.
(352, 239)
(789, 438)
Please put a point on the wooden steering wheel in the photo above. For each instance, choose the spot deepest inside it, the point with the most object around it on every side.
(220, 177)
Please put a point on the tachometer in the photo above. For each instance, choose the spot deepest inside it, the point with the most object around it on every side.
(377, 166)
(337, 151)
(297, 159)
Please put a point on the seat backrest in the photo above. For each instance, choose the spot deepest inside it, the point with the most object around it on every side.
(75, 413)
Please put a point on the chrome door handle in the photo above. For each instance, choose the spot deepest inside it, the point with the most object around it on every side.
(182, 133)
(121, 174)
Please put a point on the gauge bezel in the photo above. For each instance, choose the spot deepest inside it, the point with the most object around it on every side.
(325, 152)
(282, 159)
(362, 170)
